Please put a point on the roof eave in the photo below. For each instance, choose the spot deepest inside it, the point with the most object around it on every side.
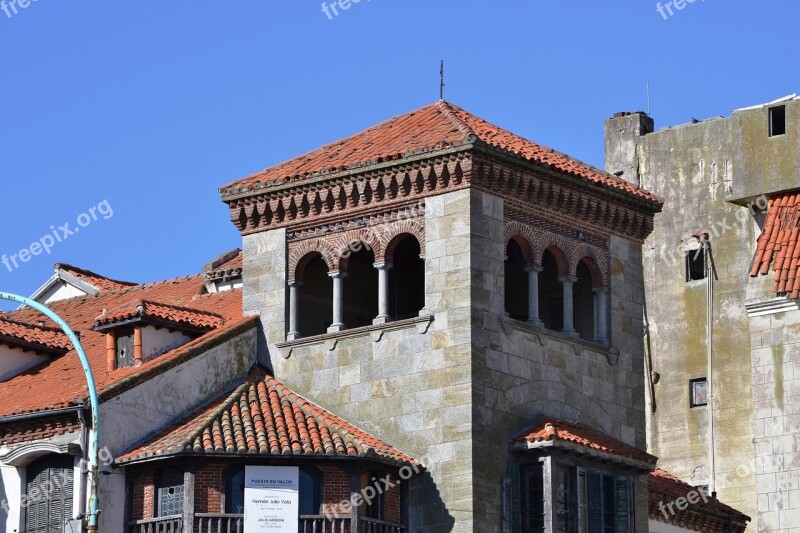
(557, 444)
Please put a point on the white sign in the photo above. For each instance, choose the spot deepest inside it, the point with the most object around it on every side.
(271, 499)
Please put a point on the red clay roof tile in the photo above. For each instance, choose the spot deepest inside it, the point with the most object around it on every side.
(665, 488)
(61, 383)
(434, 127)
(554, 431)
(148, 310)
(34, 336)
(102, 283)
(777, 246)
(264, 417)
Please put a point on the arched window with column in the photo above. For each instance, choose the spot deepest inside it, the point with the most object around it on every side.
(406, 277)
(551, 290)
(590, 299)
(360, 295)
(311, 298)
(516, 281)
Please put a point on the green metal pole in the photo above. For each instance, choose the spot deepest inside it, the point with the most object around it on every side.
(94, 448)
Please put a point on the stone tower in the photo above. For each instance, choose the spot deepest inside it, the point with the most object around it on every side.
(444, 284)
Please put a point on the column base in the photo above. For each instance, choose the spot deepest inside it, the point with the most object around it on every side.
(292, 335)
(536, 323)
(571, 333)
(603, 342)
(336, 328)
(381, 320)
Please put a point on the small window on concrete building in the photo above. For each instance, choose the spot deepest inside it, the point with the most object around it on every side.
(695, 260)
(698, 389)
(777, 121)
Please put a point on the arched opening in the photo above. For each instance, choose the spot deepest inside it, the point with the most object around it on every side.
(315, 298)
(360, 294)
(516, 281)
(583, 303)
(406, 280)
(551, 293)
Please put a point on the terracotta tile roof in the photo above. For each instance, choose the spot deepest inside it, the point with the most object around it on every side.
(96, 280)
(708, 515)
(145, 310)
(577, 436)
(777, 246)
(264, 417)
(228, 265)
(61, 383)
(429, 129)
(44, 338)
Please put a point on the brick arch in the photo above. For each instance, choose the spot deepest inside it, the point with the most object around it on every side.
(523, 236)
(395, 233)
(346, 245)
(305, 251)
(594, 260)
(561, 249)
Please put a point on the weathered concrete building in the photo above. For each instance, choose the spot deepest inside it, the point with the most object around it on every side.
(723, 413)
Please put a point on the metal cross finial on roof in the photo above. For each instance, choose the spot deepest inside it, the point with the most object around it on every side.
(441, 81)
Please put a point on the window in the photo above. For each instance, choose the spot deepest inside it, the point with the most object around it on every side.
(777, 121)
(49, 490)
(585, 501)
(170, 492)
(695, 264)
(516, 282)
(533, 499)
(315, 297)
(583, 303)
(360, 293)
(406, 280)
(551, 293)
(125, 348)
(310, 490)
(376, 507)
(699, 392)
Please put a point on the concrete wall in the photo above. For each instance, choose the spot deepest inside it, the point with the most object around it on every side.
(15, 361)
(700, 169)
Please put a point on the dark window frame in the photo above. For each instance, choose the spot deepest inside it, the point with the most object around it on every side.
(777, 121)
(693, 403)
(316, 475)
(51, 466)
(695, 261)
(161, 486)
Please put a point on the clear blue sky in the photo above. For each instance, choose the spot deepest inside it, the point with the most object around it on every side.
(154, 105)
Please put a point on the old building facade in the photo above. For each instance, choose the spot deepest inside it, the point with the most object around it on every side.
(729, 218)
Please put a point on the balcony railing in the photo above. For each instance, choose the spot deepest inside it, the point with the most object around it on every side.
(234, 523)
(163, 524)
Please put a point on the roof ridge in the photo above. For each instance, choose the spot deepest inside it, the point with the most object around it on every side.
(447, 110)
(52, 329)
(86, 271)
(146, 301)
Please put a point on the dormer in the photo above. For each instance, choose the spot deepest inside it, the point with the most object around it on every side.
(141, 331)
(24, 346)
(72, 282)
(225, 272)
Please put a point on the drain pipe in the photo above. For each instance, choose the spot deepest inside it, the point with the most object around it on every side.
(710, 275)
(84, 466)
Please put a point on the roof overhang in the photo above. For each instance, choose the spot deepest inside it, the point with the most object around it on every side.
(550, 446)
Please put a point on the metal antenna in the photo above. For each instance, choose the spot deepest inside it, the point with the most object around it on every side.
(441, 81)
(648, 98)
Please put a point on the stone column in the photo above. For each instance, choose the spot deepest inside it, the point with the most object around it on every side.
(383, 293)
(294, 309)
(567, 282)
(601, 311)
(338, 302)
(533, 295)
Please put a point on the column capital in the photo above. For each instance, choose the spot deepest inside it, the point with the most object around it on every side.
(568, 279)
(337, 274)
(532, 267)
(600, 290)
(295, 283)
(383, 265)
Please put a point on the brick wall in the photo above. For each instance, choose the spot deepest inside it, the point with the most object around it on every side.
(142, 493)
(210, 488)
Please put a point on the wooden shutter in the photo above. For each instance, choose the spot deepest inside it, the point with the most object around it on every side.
(623, 493)
(50, 492)
(595, 504)
(125, 350)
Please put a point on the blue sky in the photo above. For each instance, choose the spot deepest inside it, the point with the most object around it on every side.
(151, 106)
